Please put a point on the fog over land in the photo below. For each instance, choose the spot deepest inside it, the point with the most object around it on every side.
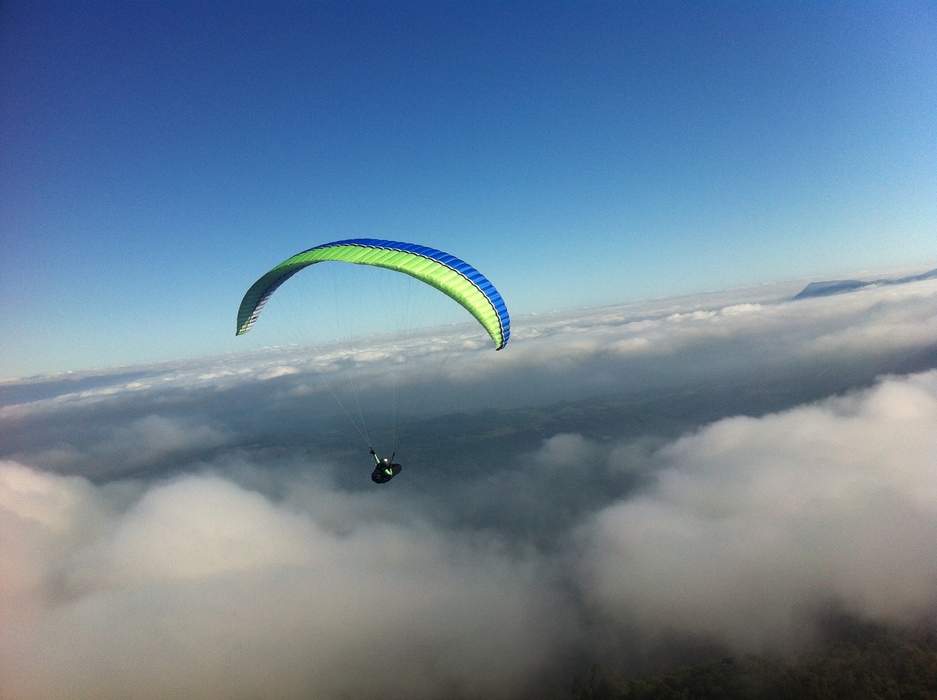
(633, 485)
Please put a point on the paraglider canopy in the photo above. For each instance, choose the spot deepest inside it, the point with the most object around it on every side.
(453, 277)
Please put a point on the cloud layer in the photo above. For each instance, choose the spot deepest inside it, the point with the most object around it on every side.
(176, 532)
(751, 525)
(200, 588)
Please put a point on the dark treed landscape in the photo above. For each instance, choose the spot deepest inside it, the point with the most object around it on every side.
(856, 661)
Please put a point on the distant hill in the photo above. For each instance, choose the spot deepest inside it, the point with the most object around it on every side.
(825, 289)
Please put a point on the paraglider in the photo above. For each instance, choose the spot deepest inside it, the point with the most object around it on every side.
(453, 277)
(384, 469)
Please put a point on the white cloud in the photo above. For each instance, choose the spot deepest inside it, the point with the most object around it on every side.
(125, 446)
(564, 451)
(753, 523)
(276, 372)
(201, 588)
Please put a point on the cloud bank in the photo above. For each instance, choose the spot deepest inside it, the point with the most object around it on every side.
(200, 588)
(751, 524)
(176, 531)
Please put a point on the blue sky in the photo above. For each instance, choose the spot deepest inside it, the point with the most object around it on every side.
(155, 159)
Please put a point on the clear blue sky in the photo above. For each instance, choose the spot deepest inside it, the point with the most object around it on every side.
(156, 158)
